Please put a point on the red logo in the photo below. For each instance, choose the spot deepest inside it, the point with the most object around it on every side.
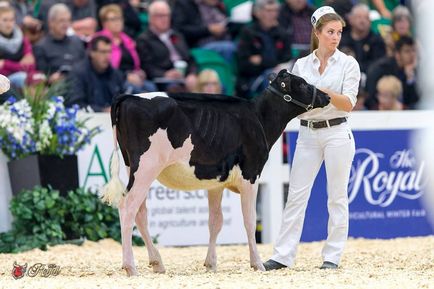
(43, 270)
(19, 271)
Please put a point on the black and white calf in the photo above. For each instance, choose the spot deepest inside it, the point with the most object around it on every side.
(197, 141)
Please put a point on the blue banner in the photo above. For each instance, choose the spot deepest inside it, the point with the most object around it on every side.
(384, 191)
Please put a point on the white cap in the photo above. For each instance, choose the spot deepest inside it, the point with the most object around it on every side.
(320, 12)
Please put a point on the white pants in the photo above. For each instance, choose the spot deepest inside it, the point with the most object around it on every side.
(334, 145)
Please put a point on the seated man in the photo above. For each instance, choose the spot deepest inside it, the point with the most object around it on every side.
(83, 17)
(57, 52)
(367, 46)
(403, 66)
(204, 24)
(294, 16)
(262, 47)
(93, 82)
(160, 48)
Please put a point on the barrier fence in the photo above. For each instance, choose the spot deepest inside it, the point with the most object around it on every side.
(386, 188)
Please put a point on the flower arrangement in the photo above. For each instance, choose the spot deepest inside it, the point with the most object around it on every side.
(39, 125)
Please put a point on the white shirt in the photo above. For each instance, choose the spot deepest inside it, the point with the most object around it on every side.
(342, 75)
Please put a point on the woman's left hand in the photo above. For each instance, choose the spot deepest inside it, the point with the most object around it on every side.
(326, 90)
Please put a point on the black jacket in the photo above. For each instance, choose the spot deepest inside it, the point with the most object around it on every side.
(367, 50)
(58, 55)
(86, 87)
(389, 66)
(155, 57)
(252, 42)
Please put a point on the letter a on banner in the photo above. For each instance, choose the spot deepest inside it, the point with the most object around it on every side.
(96, 156)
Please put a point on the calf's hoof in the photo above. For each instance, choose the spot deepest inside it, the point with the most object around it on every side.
(258, 266)
(131, 271)
(157, 267)
(210, 267)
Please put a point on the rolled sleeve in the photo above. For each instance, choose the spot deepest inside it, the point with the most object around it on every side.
(350, 86)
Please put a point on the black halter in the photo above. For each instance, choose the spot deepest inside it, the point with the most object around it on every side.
(289, 98)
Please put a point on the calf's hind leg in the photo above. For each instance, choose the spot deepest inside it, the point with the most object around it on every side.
(129, 208)
(215, 223)
(142, 225)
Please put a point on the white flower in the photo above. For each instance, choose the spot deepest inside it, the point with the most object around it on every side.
(51, 111)
(45, 134)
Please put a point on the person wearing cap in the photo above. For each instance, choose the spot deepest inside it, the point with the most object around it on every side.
(324, 136)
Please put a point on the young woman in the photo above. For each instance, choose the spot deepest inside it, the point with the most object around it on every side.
(124, 54)
(324, 136)
(208, 81)
(16, 56)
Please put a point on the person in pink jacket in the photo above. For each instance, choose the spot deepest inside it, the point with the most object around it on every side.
(124, 54)
(16, 56)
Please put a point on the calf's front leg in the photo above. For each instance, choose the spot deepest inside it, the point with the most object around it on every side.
(248, 193)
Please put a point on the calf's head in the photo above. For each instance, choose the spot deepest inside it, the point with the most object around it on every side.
(295, 90)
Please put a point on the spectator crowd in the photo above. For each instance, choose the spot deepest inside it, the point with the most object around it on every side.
(100, 48)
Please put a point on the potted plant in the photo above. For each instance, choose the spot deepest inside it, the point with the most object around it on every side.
(41, 138)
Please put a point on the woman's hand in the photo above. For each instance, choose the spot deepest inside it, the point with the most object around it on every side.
(340, 101)
(27, 60)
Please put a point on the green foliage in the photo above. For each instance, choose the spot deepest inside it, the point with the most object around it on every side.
(42, 217)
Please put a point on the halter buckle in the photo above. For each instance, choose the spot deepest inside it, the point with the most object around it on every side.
(309, 107)
(287, 98)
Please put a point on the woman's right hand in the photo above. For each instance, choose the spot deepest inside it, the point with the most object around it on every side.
(27, 60)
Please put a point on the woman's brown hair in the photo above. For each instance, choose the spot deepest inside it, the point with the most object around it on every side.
(326, 18)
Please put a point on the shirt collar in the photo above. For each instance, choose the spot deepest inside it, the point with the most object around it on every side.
(334, 58)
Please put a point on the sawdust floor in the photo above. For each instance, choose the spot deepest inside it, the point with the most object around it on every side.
(398, 263)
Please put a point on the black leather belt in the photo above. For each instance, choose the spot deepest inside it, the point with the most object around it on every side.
(323, 123)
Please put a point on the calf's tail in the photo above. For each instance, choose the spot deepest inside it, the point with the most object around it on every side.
(114, 190)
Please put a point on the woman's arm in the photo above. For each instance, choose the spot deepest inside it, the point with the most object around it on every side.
(340, 101)
(350, 87)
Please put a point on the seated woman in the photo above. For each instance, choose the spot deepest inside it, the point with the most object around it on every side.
(16, 56)
(209, 82)
(401, 26)
(124, 54)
